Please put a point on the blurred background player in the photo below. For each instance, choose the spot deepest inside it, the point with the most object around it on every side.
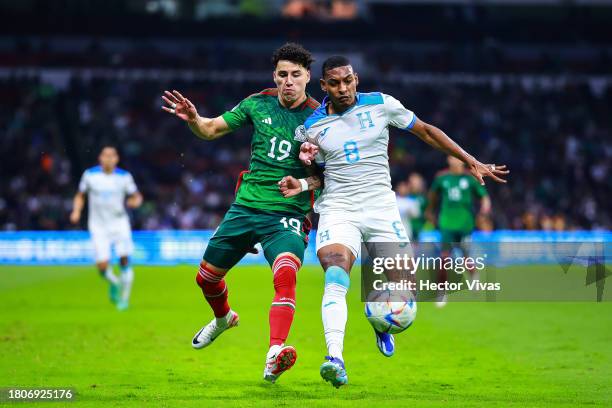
(453, 191)
(107, 187)
(412, 204)
(350, 133)
(417, 191)
(408, 208)
(260, 213)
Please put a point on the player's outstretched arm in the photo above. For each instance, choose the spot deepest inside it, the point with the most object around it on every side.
(440, 140)
(77, 207)
(204, 128)
(289, 186)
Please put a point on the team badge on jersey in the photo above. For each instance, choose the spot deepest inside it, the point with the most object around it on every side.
(300, 134)
(463, 183)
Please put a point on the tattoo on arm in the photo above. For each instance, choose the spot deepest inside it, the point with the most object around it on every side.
(315, 180)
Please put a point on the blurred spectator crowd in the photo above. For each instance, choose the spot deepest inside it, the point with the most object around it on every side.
(486, 55)
(556, 143)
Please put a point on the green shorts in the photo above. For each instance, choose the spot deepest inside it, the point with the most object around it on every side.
(449, 239)
(243, 227)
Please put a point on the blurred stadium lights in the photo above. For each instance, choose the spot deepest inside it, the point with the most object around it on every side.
(166, 7)
(330, 10)
(60, 77)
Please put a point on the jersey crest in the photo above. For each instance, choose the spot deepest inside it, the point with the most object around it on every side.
(300, 133)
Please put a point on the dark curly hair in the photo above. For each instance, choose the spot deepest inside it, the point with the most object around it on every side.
(295, 53)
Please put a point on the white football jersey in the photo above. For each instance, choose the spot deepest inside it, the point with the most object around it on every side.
(354, 149)
(106, 195)
(409, 208)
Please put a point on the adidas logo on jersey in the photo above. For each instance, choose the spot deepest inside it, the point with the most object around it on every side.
(267, 121)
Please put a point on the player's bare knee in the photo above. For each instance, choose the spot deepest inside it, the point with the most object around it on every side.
(124, 261)
(102, 266)
(335, 258)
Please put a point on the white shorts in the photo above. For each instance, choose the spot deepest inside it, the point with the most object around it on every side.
(104, 237)
(351, 228)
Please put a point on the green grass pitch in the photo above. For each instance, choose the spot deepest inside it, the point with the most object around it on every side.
(58, 329)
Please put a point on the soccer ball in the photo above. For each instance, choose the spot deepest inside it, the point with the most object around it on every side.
(390, 312)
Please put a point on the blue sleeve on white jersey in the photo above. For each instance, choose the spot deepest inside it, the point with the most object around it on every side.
(316, 116)
(411, 124)
(397, 115)
(370, 98)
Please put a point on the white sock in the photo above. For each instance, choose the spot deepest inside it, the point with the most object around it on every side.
(110, 276)
(127, 277)
(334, 310)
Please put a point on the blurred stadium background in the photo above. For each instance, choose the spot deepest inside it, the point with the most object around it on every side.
(526, 83)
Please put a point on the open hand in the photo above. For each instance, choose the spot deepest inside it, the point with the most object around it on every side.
(179, 106)
(495, 171)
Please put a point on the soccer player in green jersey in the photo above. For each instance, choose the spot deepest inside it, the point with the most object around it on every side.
(455, 189)
(417, 192)
(260, 213)
(412, 203)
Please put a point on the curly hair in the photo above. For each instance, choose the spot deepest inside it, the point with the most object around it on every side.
(293, 52)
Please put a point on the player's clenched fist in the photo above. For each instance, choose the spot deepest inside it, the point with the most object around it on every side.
(290, 186)
(308, 151)
(180, 106)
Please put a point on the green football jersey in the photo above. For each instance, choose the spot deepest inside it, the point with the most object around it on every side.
(275, 148)
(417, 223)
(456, 193)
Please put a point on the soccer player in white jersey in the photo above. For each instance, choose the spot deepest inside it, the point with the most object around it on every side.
(408, 207)
(350, 134)
(107, 187)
